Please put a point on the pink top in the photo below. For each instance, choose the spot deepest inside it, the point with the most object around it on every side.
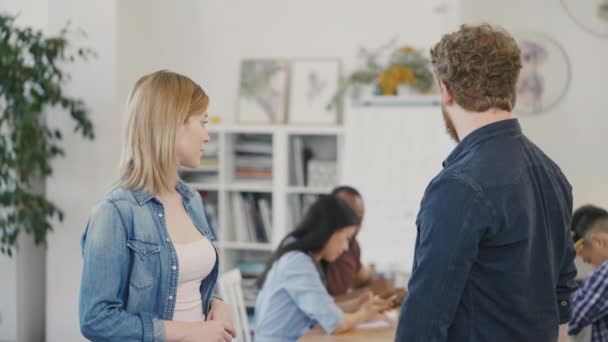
(196, 260)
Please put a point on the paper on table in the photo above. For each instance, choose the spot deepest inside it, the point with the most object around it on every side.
(381, 323)
(374, 325)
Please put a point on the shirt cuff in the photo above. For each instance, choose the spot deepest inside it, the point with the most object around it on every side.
(331, 320)
(147, 326)
(159, 330)
(564, 308)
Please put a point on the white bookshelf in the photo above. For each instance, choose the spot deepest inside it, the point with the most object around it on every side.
(220, 183)
(308, 190)
(247, 246)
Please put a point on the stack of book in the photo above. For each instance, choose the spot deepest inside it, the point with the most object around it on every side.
(253, 158)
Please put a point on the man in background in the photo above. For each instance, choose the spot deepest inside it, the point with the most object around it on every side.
(590, 302)
(347, 277)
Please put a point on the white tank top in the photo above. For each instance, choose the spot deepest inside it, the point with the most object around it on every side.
(196, 260)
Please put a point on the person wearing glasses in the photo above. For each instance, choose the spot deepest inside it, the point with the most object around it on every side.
(590, 302)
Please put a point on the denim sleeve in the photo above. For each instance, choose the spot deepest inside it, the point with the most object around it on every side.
(303, 284)
(590, 302)
(452, 221)
(105, 282)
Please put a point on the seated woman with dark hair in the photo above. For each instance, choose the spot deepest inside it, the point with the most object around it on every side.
(293, 297)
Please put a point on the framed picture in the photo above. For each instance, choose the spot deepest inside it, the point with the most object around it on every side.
(262, 91)
(313, 83)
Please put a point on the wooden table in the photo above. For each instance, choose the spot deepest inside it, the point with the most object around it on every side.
(363, 335)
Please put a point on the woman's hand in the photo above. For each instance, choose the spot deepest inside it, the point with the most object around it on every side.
(372, 306)
(213, 331)
(221, 311)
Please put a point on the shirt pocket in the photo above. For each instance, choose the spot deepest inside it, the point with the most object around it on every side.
(144, 267)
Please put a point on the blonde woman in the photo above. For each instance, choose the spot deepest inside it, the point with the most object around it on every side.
(149, 264)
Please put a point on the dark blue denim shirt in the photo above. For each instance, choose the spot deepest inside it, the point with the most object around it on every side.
(494, 257)
(130, 268)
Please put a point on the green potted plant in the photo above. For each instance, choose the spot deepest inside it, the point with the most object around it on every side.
(407, 72)
(32, 80)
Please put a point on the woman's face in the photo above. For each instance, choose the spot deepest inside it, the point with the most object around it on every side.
(338, 243)
(191, 139)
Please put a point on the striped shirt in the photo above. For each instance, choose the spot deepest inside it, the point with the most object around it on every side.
(590, 305)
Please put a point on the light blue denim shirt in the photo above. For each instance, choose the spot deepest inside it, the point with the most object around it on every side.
(292, 300)
(130, 272)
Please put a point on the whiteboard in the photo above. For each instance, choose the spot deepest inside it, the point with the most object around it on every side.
(391, 153)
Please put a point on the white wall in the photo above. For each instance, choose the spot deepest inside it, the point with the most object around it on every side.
(88, 168)
(8, 301)
(292, 29)
(155, 35)
(23, 276)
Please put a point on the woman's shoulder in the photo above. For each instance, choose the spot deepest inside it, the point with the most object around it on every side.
(296, 261)
(117, 199)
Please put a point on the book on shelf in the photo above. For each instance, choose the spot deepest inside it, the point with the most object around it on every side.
(211, 210)
(298, 204)
(302, 155)
(210, 161)
(256, 218)
(254, 174)
(253, 144)
(239, 219)
(298, 161)
(253, 162)
(266, 215)
(199, 177)
(251, 217)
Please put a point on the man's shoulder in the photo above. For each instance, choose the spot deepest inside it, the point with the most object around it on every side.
(455, 177)
(601, 271)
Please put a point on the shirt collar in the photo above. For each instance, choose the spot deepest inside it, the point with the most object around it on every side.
(142, 196)
(502, 127)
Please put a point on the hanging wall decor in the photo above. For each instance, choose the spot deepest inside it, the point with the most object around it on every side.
(590, 15)
(545, 73)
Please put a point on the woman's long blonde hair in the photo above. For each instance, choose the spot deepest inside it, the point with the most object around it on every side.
(158, 105)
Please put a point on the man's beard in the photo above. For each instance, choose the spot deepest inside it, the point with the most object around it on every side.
(449, 125)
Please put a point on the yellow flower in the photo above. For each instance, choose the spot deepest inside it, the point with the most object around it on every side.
(407, 49)
(387, 83)
(403, 75)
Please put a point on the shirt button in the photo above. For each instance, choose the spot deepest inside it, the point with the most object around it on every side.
(564, 303)
(170, 297)
(160, 214)
(167, 239)
(173, 267)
